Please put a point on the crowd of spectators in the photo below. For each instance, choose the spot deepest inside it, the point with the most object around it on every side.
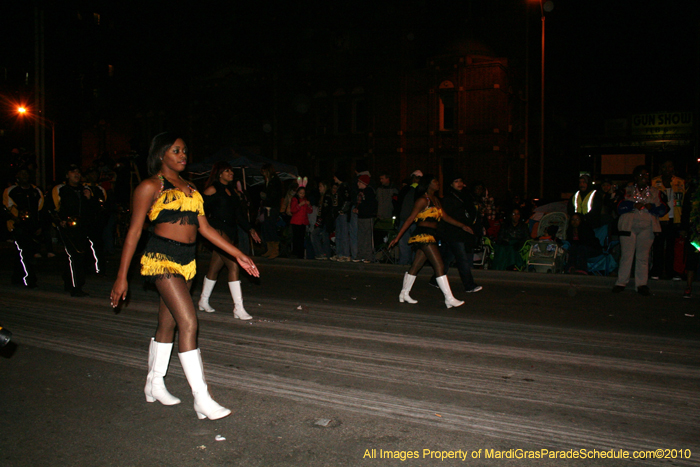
(653, 224)
(596, 224)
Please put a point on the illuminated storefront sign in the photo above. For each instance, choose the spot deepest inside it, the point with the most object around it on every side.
(662, 123)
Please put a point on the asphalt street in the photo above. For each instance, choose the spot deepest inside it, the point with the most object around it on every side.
(334, 371)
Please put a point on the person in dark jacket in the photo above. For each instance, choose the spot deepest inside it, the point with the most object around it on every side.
(458, 244)
(511, 237)
(23, 203)
(271, 197)
(75, 206)
(404, 205)
(324, 225)
(342, 218)
(366, 207)
(583, 244)
(611, 197)
(690, 230)
(96, 226)
(225, 213)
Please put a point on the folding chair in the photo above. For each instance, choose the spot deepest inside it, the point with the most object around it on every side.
(604, 264)
(483, 253)
(387, 230)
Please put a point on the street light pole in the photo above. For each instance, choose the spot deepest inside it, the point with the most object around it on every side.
(545, 5)
(53, 149)
(41, 163)
(527, 101)
(542, 112)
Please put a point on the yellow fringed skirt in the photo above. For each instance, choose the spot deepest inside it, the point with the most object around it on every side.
(423, 235)
(164, 258)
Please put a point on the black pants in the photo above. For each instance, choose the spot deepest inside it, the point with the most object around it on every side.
(81, 255)
(579, 255)
(24, 270)
(663, 250)
(298, 235)
(269, 225)
(464, 260)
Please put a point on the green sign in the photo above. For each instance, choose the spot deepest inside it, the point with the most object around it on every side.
(662, 123)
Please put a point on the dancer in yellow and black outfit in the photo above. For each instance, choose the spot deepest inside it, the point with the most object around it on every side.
(427, 212)
(176, 211)
(225, 212)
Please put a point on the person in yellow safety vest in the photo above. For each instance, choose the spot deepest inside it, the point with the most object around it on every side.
(587, 201)
(673, 189)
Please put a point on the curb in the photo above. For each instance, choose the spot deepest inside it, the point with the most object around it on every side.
(488, 276)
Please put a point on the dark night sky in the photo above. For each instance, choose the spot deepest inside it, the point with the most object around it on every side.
(604, 59)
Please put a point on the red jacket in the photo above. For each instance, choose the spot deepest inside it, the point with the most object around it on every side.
(300, 214)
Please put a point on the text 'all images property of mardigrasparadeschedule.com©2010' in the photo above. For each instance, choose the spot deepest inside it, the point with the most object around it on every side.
(466, 455)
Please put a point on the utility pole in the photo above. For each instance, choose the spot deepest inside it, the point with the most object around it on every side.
(39, 92)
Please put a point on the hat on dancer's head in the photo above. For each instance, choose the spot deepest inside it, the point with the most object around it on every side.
(364, 179)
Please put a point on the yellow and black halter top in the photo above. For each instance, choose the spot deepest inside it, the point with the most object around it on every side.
(173, 206)
(430, 213)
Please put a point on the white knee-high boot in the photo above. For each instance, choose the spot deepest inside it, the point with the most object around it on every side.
(408, 281)
(450, 300)
(158, 361)
(207, 288)
(204, 405)
(238, 310)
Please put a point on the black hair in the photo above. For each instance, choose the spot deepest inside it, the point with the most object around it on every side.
(216, 171)
(637, 170)
(71, 168)
(423, 184)
(455, 176)
(509, 216)
(159, 146)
